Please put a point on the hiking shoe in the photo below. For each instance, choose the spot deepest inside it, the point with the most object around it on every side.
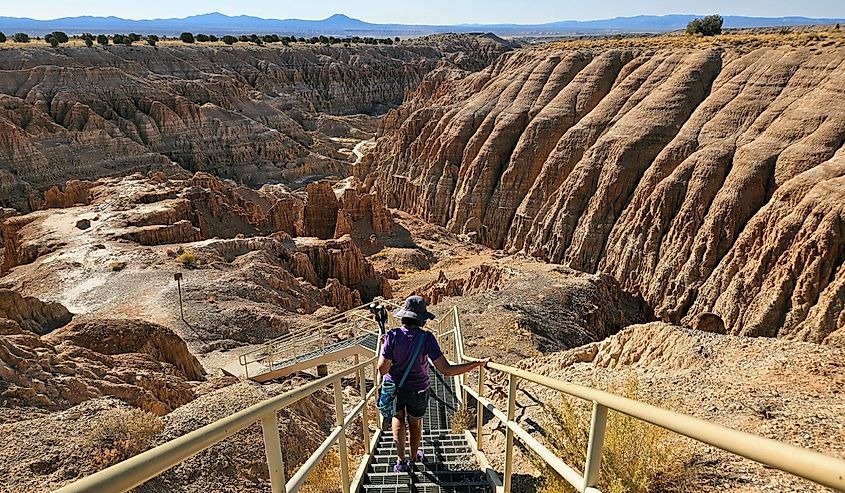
(400, 466)
(420, 457)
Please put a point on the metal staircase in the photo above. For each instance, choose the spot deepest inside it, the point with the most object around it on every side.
(455, 461)
(450, 465)
(353, 332)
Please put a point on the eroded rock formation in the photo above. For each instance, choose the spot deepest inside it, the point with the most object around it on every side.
(242, 113)
(31, 313)
(703, 180)
(141, 363)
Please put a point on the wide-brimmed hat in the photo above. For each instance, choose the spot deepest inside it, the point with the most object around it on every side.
(414, 308)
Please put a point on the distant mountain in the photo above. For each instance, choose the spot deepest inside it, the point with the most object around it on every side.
(342, 25)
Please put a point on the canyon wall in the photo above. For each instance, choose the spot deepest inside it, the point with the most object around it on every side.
(237, 112)
(704, 180)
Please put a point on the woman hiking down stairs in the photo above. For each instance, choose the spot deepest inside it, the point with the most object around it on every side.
(403, 363)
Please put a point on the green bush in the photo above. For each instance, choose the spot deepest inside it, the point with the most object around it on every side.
(201, 38)
(20, 38)
(2, 38)
(59, 36)
(708, 26)
(102, 39)
(229, 40)
(637, 458)
(187, 38)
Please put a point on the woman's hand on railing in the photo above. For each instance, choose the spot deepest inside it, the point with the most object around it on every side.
(481, 362)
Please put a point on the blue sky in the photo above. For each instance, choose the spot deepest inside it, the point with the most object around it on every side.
(423, 12)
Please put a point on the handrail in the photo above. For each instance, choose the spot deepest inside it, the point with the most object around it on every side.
(309, 328)
(294, 347)
(808, 464)
(142, 467)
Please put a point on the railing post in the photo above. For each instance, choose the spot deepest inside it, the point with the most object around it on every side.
(592, 469)
(479, 413)
(358, 378)
(365, 416)
(341, 441)
(509, 439)
(273, 450)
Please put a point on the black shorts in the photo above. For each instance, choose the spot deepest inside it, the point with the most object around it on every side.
(414, 401)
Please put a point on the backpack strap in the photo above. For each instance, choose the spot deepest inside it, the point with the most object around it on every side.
(417, 350)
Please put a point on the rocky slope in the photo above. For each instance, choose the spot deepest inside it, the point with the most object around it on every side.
(517, 308)
(102, 431)
(252, 261)
(247, 113)
(706, 180)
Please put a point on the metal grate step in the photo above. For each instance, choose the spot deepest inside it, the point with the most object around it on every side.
(438, 477)
(428, 488)
(443, 458)
(430, 466)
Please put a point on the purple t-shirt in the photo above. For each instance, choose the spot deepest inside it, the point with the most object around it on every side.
(399, 345)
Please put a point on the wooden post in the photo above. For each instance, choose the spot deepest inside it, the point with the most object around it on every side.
(273, 450)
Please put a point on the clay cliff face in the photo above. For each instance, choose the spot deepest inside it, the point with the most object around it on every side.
(236, 112)
(704, 180)
(143, 364)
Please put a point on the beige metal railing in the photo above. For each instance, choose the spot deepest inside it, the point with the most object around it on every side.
(293, 345)
(139, 469)
(805, 463)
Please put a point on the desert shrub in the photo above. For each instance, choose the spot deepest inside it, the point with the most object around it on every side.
(20, 38)
(102, 39)
(152, 39)
(707, 26)
(213, 38)
(52, 40)
(201, 38)
(88, 39)
(2, 38)
(121, 39)
(637, 458)
(59, 36)
(187, 38)
(187, 259)
(229, 40)
(463, 419)
(324, 477)
(123, 434)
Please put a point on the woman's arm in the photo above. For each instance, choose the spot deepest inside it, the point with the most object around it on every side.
(450, 370)
(384, 365)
